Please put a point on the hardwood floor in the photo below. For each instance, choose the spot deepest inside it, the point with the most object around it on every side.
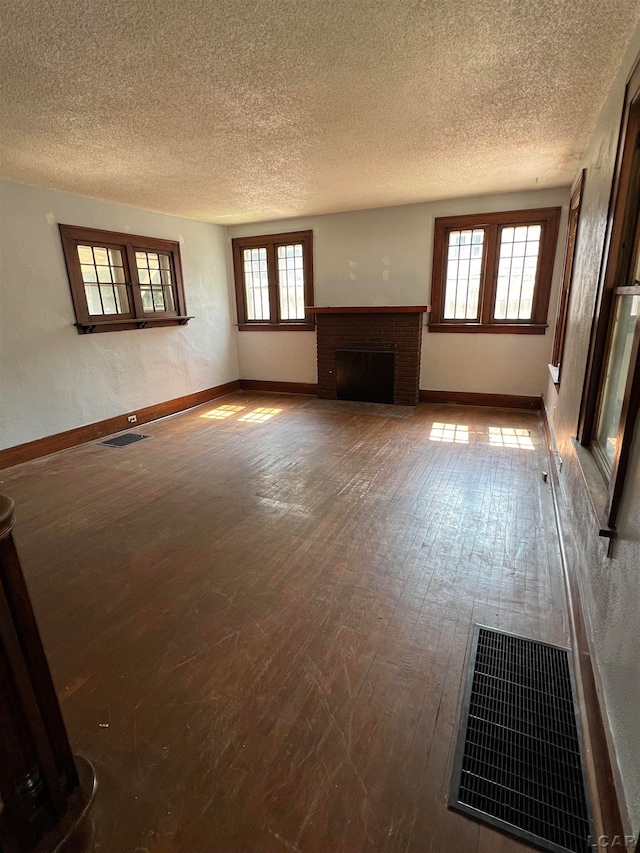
(257, 620)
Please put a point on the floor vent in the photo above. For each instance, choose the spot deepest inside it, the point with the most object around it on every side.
(518, 761)
(124, 440)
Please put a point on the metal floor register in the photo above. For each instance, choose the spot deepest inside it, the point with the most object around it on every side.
(518, 761)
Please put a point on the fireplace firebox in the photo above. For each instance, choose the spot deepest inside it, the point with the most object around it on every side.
(369, 353)
(365, 375)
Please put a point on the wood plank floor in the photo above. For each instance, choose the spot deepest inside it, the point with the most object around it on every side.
(258, 620)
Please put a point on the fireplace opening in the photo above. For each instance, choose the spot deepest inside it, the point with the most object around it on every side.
(365, 375)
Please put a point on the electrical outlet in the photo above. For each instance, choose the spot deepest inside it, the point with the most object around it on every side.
(132, 419)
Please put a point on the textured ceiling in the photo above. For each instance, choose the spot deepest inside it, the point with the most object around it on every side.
(234, 111)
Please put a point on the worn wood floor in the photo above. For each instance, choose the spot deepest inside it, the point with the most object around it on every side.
(258, 619)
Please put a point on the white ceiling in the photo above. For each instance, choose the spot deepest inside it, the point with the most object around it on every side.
(232, 111)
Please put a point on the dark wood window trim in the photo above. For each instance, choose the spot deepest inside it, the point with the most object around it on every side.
(136, 317)
(270, 242)
(621, 245)
(575, 206)
(492, 223)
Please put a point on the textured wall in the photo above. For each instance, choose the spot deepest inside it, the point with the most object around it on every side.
(53, 379)
(383, 257)
(610, 587)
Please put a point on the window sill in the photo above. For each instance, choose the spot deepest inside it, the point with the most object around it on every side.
(491, 329)
(120, 325)
(554, 372)
(596, 488)
(277, 327)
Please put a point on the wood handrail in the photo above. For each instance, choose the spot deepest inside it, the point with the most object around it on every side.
(39, 782)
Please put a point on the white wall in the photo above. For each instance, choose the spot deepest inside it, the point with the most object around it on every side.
(383, 257)
(610, 588)
(53, 379)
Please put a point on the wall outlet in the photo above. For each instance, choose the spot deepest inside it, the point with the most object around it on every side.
(132, 419)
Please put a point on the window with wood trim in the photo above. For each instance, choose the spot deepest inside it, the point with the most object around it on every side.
(274, 281)
(567, 276)
(492, 272)
(123, 281)
(612, 388)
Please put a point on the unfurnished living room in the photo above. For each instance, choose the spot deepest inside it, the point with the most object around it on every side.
(319, 455)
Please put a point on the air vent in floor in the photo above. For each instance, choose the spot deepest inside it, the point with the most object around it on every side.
(518, 763)
(124, 440)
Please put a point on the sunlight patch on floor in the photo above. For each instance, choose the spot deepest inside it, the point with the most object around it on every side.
(223, 412)
(509, 437)
(259, 415)
(450, 433)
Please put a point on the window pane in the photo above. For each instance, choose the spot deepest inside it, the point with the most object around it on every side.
(158, 299)
(256, 284)
(147, 298)
(618, 364)
(89, 273)
(99, 264)
(108, 299)
(85, 254)
(93, 299)
(517, 271)
(154, 268)
(105, 299)
(464, 269)
(291, 282)
(168, 298)
(122, 299)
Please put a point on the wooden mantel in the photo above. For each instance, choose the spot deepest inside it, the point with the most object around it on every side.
(371, 309)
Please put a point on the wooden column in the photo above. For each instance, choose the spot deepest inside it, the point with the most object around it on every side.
(44, 801)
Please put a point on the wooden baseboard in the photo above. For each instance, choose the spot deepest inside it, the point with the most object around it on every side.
(608, 809)
(279, 387)
(473, 398)
(72, 437)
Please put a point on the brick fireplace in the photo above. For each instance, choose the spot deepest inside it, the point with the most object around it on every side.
(388, 329)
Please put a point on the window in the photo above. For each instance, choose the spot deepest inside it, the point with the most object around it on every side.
(122, 281)
(612, 387)
(274, 281)
(567, 276)
(492, 272)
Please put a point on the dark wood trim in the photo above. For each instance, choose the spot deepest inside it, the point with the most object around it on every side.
(595, 487)
(270, 242)
(473, 398)
(46, 795)
(371, 309)
(489, 280)
(272, 276)
(548, 218)
(626, 429)
(618, 200)
(307, 388)
(74, 235)
(261, 240)
(526, 216)
(607, 807)
(618, 256)
(96, 326)
(491, 328)
(71, 438)
(571, 245)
